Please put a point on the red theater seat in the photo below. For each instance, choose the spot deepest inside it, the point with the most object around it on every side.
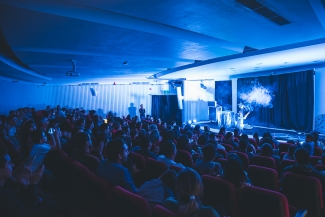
(128, 204)
(220, 192)
(263, 177)
(260, 202)
(263, 161)
(184, 157)
(155, 168)
(303, 192)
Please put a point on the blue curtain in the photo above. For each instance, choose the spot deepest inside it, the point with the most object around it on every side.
(293, 100)
(166, 108)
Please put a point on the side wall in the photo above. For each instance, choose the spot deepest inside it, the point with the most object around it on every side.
(116, 98)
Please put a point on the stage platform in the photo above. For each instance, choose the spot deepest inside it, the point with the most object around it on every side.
(279, 134)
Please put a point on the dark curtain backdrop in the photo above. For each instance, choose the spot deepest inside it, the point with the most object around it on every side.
(166, 108)
(293, 103)
(223, 94)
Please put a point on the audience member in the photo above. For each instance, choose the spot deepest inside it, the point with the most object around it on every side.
(290, 155)
(145, 146)
(27, 202)
(112, 170)
(189, 188)
(204, 164)
(234, 172)
(168, 154)
(303, 167)
(243, 145)
(156, 191)
(82, 144)
(309, 143)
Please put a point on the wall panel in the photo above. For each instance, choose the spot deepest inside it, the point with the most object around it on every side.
(116, 98)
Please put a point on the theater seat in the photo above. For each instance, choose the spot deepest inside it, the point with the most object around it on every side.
(184, 157)
(219, 192)
(140, 162)
(243, 157)
(155, 168)
(128, 204)
(263, 177)
(253, 142)
(222, 152)
(318, 151)
(263, 161)
(285, 163)
(160, 211)
(284, 147)
(258, 202)
(227, 147)
(303, 192)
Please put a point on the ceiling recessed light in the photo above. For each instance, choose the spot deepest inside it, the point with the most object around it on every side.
(259, 64)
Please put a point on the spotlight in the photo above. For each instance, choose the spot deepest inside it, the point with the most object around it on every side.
(189, 121)
(194, 121)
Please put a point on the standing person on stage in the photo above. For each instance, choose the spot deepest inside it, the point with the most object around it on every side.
(142, 112)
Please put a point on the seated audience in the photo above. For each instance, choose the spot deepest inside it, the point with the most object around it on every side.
(112, 170)
(144, 149)
(234, 172)
(216, 144)
(290, 155)
(267, 151)
(204, 164)
(39, 149)
(101, 140)
(237, 133)
(189, 188)
(27, 201)
(156, 191)
(309, 143)
(184, 144)
(222, 131)
(82, 143)
(303, 167)
(168, 154)
(202, 140)
(269, 136)
(229, 139)
(257, 138)
(316, 140)
(243, 145)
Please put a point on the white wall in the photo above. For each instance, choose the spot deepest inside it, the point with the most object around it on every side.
(116, 98)
(196, 99)
(319, 91)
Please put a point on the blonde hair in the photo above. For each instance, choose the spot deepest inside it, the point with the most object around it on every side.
(189, 184)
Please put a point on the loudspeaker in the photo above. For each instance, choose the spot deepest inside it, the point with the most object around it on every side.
(212, 114)
(93, 92)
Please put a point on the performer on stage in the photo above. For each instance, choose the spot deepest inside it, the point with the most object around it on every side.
(241, 117)
(142, 112)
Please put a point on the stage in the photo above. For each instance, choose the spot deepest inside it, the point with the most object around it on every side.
(279, 134)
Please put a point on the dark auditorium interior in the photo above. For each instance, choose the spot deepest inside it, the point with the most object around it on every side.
(156, 108)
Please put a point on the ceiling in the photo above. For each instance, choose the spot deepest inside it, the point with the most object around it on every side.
(131, 40)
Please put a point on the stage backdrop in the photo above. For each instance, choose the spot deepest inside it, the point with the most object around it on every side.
(223, 94)
(284, 101)
(166, 108)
